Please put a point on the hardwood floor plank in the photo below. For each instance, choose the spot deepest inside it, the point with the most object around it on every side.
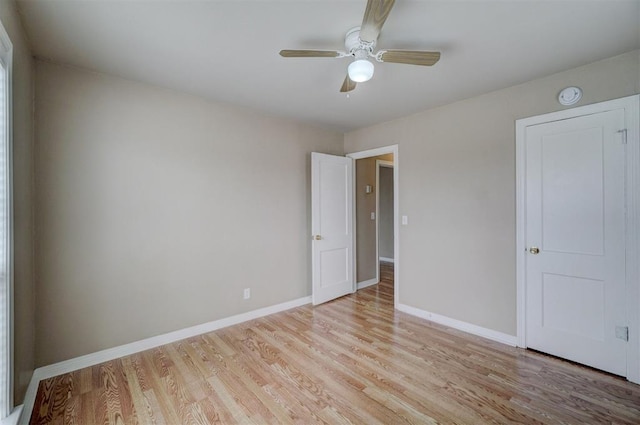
(157, 415)
(72, 411)
(232, 405)
(399, 407)
(141, 406)
(114, 408)
(160, 400)
(354, 360)
(298, 411)
(331, 416)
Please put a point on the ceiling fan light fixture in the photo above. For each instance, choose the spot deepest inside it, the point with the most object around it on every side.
(360, 44)
(360, 70)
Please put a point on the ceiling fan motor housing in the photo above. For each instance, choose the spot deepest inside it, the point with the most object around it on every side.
(355, 46)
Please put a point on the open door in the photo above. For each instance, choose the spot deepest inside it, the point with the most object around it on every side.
(332, 227)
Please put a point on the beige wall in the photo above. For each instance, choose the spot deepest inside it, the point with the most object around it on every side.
(24, 303)
(155, 209)
(457, 187)
(385, 213)
(365, 227)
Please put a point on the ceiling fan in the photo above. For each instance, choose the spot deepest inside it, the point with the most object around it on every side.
(360, 43)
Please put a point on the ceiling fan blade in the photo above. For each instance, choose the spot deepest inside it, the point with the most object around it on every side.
(374, 16)
(309, 53)
(411, 57)
(348, 85)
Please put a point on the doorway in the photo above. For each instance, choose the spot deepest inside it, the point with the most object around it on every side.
(367, 216)
(368, 219)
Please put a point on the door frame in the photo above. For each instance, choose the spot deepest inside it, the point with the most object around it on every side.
(387, 164)
(631, 106)
(393, 149)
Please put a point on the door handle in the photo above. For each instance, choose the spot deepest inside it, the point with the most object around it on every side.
(534, 250)
(317, 237)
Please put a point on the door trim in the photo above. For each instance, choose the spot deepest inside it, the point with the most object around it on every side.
(393, 149)
(386, 164)
(631, 106)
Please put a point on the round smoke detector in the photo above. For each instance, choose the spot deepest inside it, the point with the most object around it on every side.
(570, 96)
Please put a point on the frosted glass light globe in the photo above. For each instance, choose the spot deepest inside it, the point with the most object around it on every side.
(360, 70)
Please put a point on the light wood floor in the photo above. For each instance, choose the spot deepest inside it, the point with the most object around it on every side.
(353, 360)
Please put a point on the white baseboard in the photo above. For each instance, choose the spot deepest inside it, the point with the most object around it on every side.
(460, 325)
(98, 357)
(366, 283)
(386, 259)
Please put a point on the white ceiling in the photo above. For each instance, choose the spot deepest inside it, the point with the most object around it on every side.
(227, 51)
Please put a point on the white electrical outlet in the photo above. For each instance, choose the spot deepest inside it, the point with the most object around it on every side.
(247, 293)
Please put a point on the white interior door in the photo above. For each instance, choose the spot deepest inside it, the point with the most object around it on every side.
(575, 239)
(332, 226)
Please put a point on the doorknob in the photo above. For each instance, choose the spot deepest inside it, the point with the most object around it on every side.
(317, 237)
(534, 250)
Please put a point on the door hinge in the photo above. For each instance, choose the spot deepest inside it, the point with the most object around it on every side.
(624, 135)
(622, 332)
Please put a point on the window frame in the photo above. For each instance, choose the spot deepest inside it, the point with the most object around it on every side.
(6, 348)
